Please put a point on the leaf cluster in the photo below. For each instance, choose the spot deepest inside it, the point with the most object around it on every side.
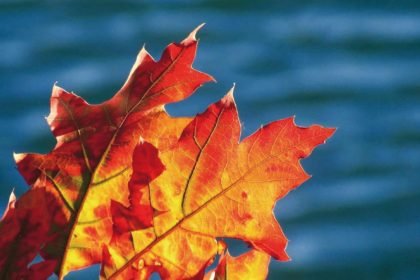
(138, 191)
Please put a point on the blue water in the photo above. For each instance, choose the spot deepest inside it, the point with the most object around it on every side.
(352, 65)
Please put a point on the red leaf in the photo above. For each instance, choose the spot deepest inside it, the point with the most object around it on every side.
(214, 186)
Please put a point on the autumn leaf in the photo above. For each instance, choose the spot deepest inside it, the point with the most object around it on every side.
(250, 265)
(213, 186)
(91, 162)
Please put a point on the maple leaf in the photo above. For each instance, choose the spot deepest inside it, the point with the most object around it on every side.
(250, 265)
(91, 162)
(213, 186)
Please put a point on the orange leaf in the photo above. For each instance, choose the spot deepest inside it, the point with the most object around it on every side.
(214, 186)
(250, 265)
(91, 162)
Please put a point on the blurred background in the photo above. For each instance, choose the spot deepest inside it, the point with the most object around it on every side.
(354, 65)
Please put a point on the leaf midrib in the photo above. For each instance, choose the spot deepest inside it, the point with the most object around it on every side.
(198, 157)
(103, 157)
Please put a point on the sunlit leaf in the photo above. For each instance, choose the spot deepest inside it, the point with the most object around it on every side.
(213, 185)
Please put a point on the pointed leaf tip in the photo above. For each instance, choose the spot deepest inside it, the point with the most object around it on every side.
(12, 197)
(228, 99)
(56, 89)
(331, 131)
(18, 156)
(10, 204)
(142, 54)
(192, 36)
